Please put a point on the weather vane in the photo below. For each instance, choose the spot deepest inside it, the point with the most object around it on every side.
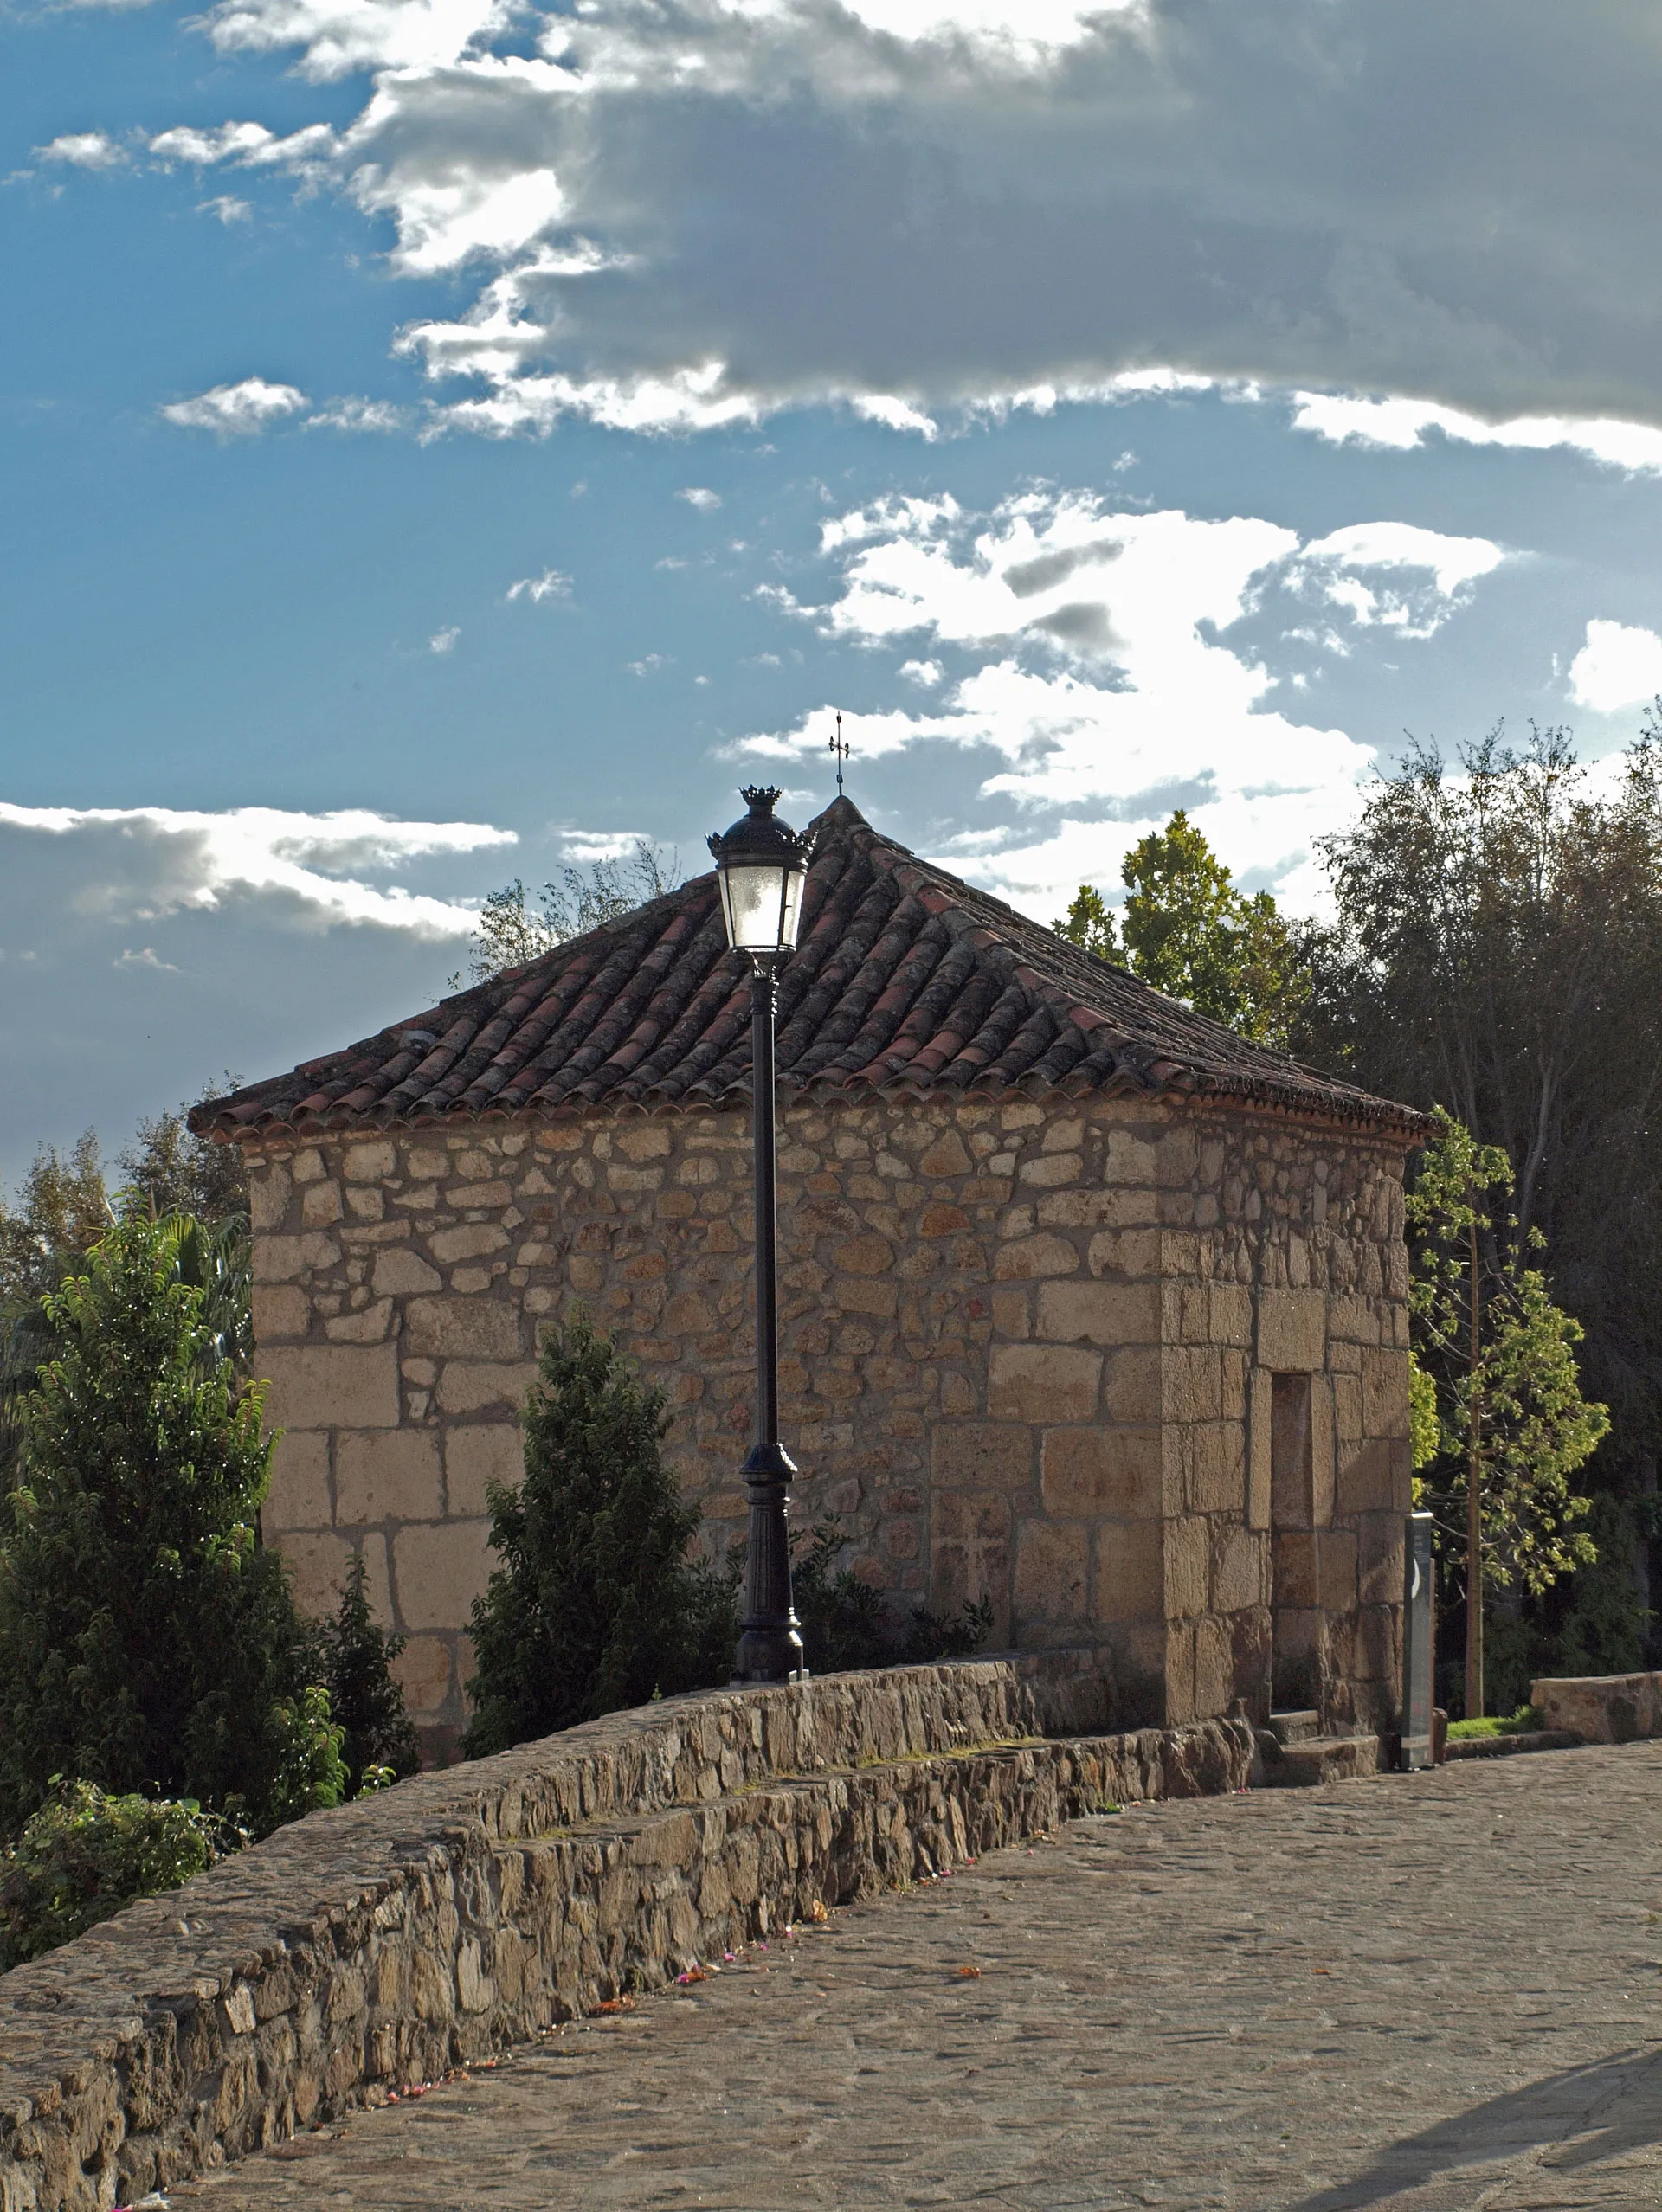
(839, 745)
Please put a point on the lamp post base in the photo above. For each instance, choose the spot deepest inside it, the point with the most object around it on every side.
(767, 1656)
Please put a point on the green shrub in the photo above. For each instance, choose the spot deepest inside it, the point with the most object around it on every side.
(595, 1604)
(146, 1640)
(352, 1656)
(846, 1623)
(311, 1773)
(83, 1855)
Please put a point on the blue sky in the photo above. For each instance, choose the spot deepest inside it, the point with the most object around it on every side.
(440, 438)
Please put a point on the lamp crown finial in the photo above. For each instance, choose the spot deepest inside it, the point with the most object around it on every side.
(760, 798)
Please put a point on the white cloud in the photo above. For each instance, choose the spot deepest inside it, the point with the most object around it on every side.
(1399, 425)
(690, 212)
(553, 583)
(699, 496)
(357, 415)
(1619, 665)
(145, 863)
(227, 208)
(444, 640)
(1107, 689)
(146, 956)
(236, 410)
(85, 150)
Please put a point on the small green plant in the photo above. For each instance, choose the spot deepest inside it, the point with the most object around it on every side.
(84, 1855)
(845, 1622)
(1523, 1722)
(353, 1657)
(310, 1772)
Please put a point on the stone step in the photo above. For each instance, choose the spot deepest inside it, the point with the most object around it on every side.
(1313, 1760)
(1296, 1727)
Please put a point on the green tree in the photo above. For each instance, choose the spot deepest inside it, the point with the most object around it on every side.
(1512, 1424)
(145, 1639)
(168, 1169)
(513, 931)
(353, 1660)
(1188, 932)
(62, 1210)
(1495, 946)
(595, 1604)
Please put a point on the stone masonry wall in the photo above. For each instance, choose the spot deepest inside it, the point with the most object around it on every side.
(1026, 1354)
(364, 1950)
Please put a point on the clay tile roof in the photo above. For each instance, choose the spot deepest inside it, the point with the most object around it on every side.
(904, 980)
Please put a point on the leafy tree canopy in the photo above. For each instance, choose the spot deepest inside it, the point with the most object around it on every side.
(596, 1604)
(511, 930)
(144, 1639)
(1187, 930)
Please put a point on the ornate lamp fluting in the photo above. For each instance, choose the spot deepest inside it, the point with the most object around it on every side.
(760, 866)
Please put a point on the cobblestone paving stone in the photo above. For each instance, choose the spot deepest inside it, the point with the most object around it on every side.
(1432, 1993)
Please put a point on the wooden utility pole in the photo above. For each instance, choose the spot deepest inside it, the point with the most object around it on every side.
(1474, 1505)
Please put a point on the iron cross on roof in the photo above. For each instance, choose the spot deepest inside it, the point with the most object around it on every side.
(839, 745)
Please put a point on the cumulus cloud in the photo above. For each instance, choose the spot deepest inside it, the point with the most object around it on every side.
(145, 863)
(688, 212)
(553, 583)
(1399, 425)
(1618, 666)
(236, 410)
(1110, 681)
(699, 496)
(146, 956)
(227, 208)
(444, 640)
(85, 150)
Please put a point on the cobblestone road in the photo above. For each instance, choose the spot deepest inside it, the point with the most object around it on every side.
(1432, 1994)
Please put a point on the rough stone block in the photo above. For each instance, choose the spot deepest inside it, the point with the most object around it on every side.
(469, 1240)
(285, 1259)
(1029, 1258)
(423, 1671)
(1042, 1383)
(1259, 1463)
(866, 1255)
(1052, 1560)
(440, 1568)
(390, 1476)
(1133, 1389)
(1380, 1562)
(1099, 1313)
(320, 1205)
(1131, 1253)
(1366, 1479)
(332, 1385)
(298, 1497)
(1239, 1569)
(477, 1454)
(280, 1310)
(969, 1552)
(1192, 1376)
(465, 1328)
(1214, 1667)
(1216, 1472)
(1188, 1567)
(1338, 1549)
(367, 1325)
(1230, 1317)
(981, 1454)
(368, 1160)
(1292, 1330)
(268, 1194)
(1297, 1568)
(1323, 1456)
(471, 1386)
(1384, 1392)
(1130, 1583)
(1100, 1469)
(318, 1563)
(401, 1273)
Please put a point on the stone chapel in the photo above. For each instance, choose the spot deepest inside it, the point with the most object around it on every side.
(1088, 1307)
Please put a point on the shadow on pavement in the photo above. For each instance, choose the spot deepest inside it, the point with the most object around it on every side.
(1613, 2106)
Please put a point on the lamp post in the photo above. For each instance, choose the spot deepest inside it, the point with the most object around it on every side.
(760, 865)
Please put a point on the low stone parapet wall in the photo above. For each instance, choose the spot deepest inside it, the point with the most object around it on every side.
(1601, 1708)
(381, 1943)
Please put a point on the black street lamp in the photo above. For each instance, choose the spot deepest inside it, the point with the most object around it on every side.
(760, 865)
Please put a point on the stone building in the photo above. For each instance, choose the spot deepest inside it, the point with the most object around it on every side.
(1088, 1307)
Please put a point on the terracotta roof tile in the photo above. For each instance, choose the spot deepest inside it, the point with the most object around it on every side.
(904, 980)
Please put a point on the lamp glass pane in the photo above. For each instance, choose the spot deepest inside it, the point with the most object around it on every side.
(792, 915)
(753, 897)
